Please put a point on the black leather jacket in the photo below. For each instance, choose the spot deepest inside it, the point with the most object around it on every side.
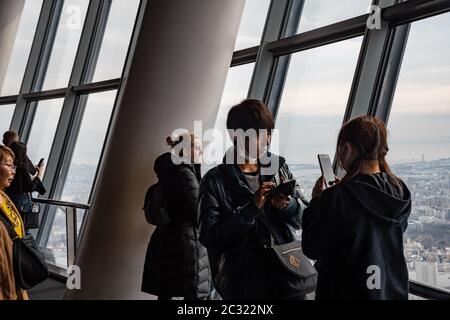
(232, 228)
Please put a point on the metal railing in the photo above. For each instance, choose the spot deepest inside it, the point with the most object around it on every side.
(70, 210)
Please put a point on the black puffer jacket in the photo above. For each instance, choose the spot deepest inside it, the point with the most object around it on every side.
(356, 226)
(233, 232)
(176, 264)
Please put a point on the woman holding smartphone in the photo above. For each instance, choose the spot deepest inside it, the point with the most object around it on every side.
(24, 184)
(355, 228)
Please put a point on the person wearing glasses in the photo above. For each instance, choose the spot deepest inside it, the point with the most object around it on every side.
(11, 226)
(23, 184)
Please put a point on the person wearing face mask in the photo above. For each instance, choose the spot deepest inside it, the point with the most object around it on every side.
(237, 209)
(355, 228)
(176, 264)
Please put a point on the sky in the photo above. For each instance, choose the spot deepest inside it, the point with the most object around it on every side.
(315, 95)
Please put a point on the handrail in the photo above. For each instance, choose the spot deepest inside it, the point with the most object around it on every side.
(62, 203)
(71, 226)
(427, 291)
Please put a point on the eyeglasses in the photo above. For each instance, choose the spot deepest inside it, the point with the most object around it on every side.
(10, 166)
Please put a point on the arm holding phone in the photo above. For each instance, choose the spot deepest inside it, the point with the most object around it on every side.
(40, 168)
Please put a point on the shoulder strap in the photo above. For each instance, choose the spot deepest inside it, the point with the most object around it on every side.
(12, 233)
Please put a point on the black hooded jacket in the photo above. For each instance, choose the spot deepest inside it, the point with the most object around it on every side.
(355, 231)
(233, 232)
(176, 263)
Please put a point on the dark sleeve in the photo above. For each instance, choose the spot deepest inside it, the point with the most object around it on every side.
(30, 166)
(222, 230)
(29, 185)
(186, 186)
(317, 222)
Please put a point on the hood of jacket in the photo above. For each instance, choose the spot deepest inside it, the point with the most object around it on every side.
(381, 198)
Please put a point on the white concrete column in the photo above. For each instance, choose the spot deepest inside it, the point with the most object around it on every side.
(177, 75)
(10, 13)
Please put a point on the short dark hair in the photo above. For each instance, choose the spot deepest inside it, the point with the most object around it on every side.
(9, 137)
(250, 114)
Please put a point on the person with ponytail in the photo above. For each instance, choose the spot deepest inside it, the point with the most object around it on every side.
(355, 229)
(176, 263)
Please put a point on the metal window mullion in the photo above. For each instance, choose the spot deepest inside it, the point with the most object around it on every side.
(270, 72)
(73, 108)
(37, 65)
(369, 68)
(385, 91)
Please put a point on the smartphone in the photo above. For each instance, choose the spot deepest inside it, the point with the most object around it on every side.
(41, 162)
(327, 169)
(285, 188)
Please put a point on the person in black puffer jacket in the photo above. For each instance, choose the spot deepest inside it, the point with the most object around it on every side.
(235, 210)
(176, 263)
(355, 228)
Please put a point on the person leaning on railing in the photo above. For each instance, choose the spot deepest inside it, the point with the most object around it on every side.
(9, 290)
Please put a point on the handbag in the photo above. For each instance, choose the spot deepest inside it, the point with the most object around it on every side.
(29, 265)
(29, 210)
(31, 218)
(292, 259)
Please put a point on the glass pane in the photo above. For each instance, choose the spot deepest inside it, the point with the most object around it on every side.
(66, 44)
(56, 252)
(80, 177)
(236, 90)
(44, 129)
(319, 13)
(252, 23)
(116, 40)
(313, 106)
(91, 137)
(420, 148)
(15, 54)
(6, 114)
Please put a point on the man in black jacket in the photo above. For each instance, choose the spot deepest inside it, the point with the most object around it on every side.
(235, 211)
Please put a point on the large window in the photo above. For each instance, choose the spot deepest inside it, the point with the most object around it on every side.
(118, 31)
(80, 178)
(313, 106)
(6, 114)
(44, 128)
(78, 184)
(319, 13)
(420, 148)
(252, 23)
(66, 43)
(15, 47)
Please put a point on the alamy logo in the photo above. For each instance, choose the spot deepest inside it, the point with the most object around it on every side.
(374, 21)
(74, 279)
(374, 280)
(74, 18)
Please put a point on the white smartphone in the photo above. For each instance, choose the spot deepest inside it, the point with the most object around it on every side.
(327, 169)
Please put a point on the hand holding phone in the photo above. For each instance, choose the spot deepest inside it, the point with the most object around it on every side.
(327, 170)
(41, 163)
(285, 188)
